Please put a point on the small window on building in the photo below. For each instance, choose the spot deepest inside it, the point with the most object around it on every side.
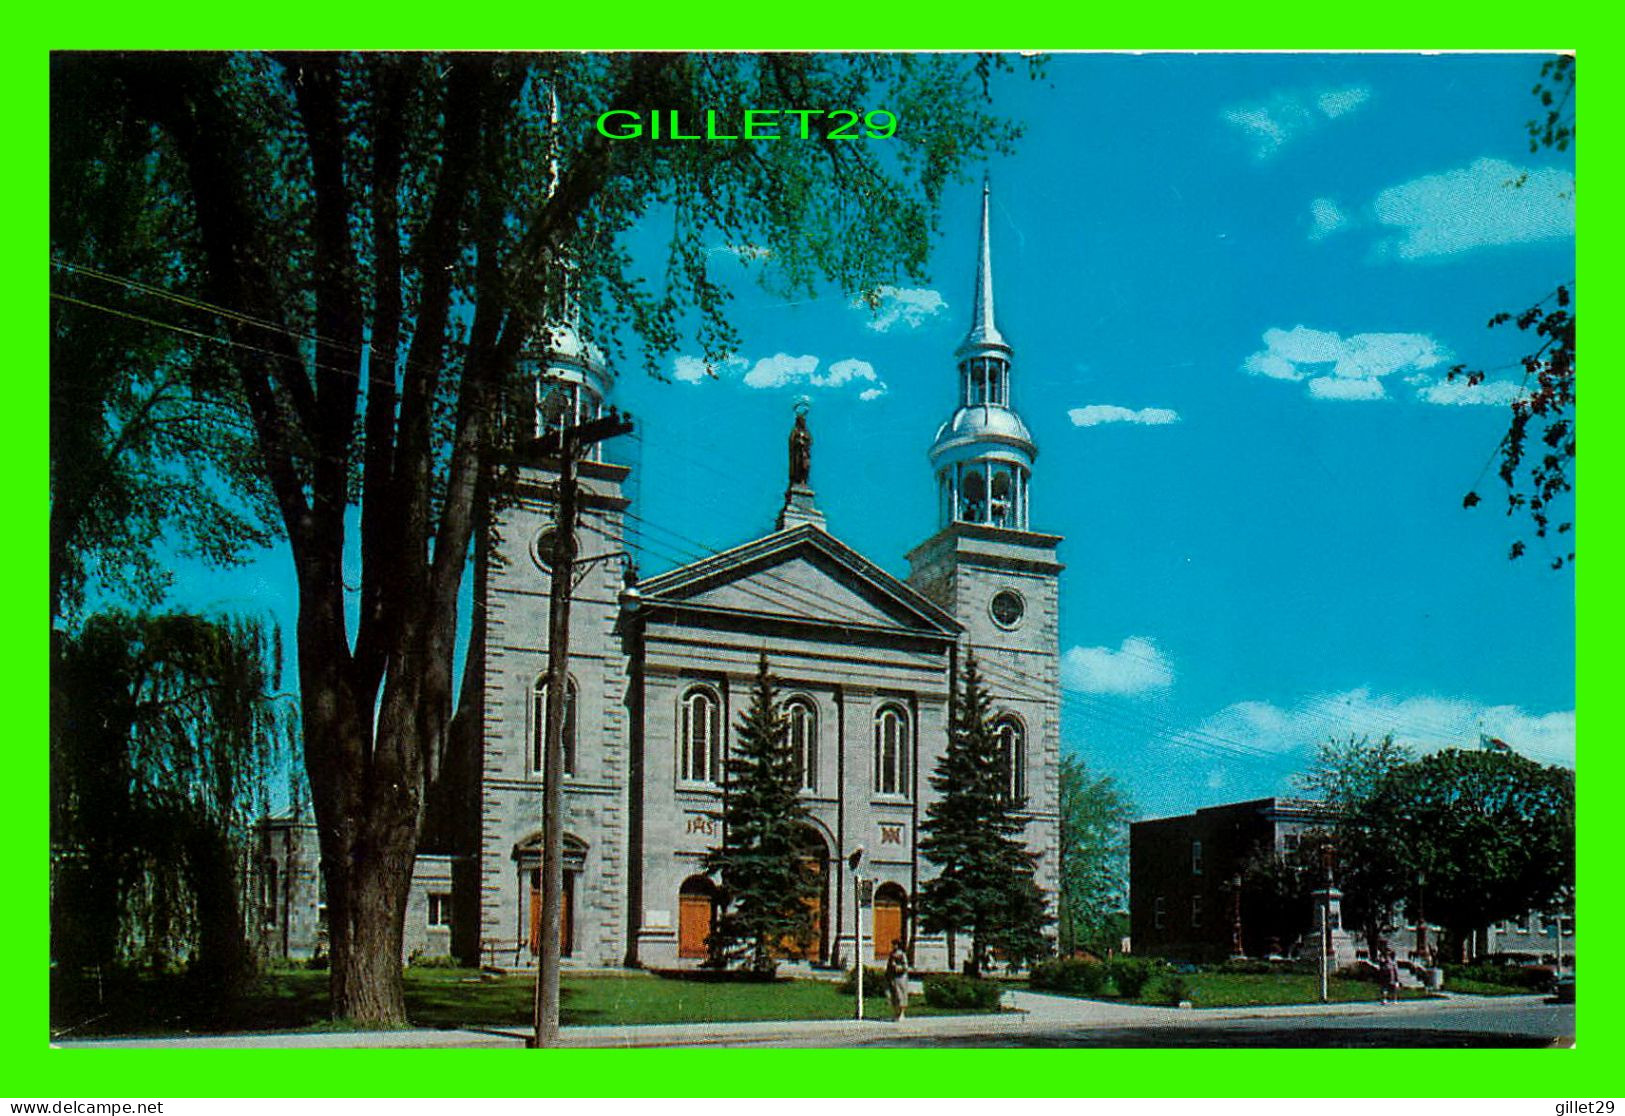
(803, 741)
(439, 909)
(538, 749)
(1196, 858)
(1290, 841)
(268, 892)
(1196, 911)
(1013, 753)
(1159, 909)
(891, 751)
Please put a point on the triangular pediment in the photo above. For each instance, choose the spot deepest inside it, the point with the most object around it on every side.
(802, 574)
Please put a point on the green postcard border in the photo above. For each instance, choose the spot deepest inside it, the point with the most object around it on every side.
(32, 1069)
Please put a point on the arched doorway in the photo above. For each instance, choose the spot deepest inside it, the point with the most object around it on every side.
(815, 862)
(528, 854)
(696, 912)
(891, 919)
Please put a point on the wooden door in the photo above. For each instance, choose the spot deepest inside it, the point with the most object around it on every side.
(888, 924)
(566, 913)
(693, 925)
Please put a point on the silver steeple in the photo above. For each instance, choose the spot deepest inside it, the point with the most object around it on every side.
(984, 333)
(983, 455)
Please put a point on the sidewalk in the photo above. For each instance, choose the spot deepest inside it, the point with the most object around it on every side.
(1032, 1010)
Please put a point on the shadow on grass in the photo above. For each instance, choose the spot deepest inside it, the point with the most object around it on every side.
(445, 999)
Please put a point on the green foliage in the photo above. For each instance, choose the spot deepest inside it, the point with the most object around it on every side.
(767, 883)
(146, 443)
(1529, 978)
(1130, 975)
(972, 832)
(421, 960)
(1095, 814)
(955, 991)
(1257, 966)
(1371, 867)
(1538, 450)
(165, 731)
(1491, 832)
(1069, 974)
(1555, 92)
(1174, 990)
(874, 982)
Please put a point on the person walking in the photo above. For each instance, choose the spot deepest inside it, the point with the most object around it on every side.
(897, 980)
(1390, 977)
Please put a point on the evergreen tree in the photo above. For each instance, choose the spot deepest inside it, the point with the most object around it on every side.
(973, 832)
(767, 887)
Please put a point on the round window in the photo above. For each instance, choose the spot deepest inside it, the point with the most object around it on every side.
(541, 548)
(1007, 608)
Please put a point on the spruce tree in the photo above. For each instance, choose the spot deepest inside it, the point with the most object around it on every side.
(767, 886)
(973, 833)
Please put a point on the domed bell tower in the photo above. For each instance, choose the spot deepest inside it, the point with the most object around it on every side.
(987, 566)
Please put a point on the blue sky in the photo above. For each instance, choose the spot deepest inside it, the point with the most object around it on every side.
(1234, 285)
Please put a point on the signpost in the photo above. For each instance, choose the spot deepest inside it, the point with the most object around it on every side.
(858, 896)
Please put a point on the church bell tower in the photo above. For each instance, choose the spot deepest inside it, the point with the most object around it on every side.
(987, 566)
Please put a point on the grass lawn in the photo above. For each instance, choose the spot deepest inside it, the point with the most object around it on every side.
(1483, 988)
(1222, 990)
(448, 998)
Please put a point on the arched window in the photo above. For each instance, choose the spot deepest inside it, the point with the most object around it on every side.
(1003, 492)
(1013, 754)
(891, 750)
(538, 728)
(699, 757)
(803, 741)
(973, 497)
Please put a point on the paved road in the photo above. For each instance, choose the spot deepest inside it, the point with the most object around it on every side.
(1038, 1021)
(1520, 1025)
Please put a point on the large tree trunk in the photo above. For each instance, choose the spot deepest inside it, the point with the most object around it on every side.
(366, 792)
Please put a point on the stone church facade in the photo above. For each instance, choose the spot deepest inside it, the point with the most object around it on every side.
(660, 669)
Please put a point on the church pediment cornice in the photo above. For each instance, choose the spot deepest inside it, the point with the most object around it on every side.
(802, 576)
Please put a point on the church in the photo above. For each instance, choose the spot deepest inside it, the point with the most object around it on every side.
(660, 669)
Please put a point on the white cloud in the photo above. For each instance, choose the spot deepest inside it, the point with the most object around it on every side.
(1335, 387)
(1476, 206)
(1273, 365)
(909, 306)
(845, 371)
(780, 369)
(744, 253)
(1339, 101)
(1459, 392)
(1424, 722)
(1288, 115)
(1342, 368)
(783, 370)
(1135, 667)
(696, 370)
(1097, 413)
(1327, 218)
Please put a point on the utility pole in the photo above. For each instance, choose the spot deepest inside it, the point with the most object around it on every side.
(566, 444)
(855, 860)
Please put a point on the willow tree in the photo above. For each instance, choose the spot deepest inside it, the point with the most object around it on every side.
(166, 732)
(382, 236)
